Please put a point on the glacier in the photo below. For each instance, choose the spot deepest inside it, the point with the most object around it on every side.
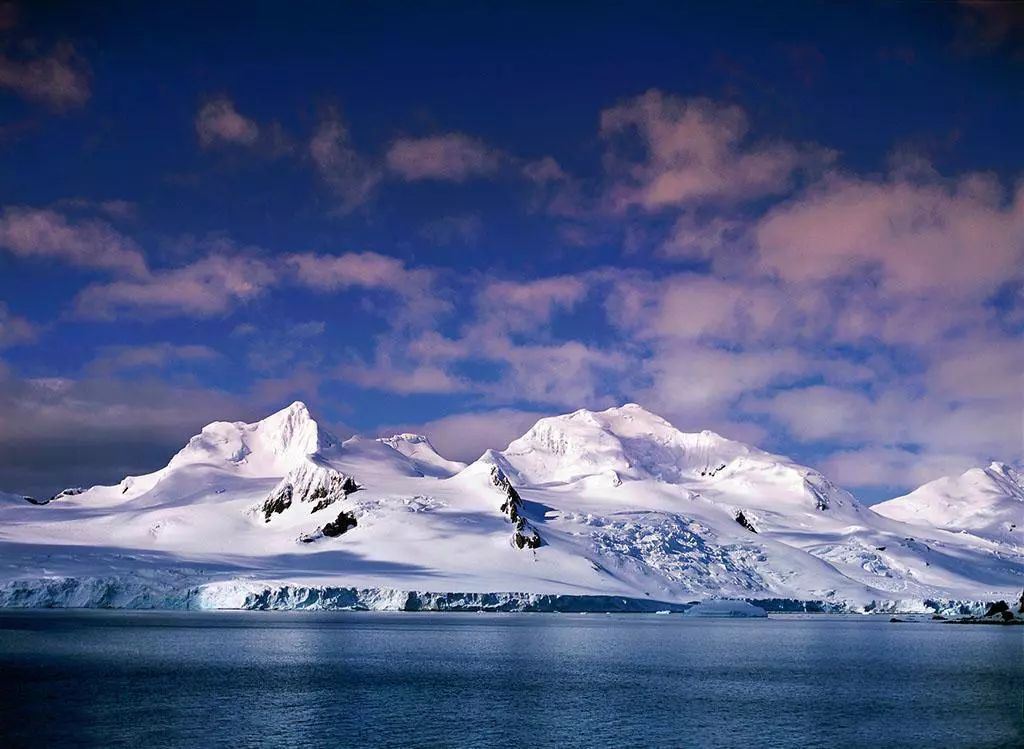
(612, 510)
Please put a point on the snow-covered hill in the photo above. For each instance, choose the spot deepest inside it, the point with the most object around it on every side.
(985, 502)
(611, 510)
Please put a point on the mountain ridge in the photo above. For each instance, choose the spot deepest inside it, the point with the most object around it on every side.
(608, 503)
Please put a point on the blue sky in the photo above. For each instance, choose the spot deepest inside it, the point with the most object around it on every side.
(798, 225)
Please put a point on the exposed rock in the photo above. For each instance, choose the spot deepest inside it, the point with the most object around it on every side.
(340, 524)
(998, 608)
(312, 482)
(742, 520)
(280, 499)
(996, 613)
(525, 535)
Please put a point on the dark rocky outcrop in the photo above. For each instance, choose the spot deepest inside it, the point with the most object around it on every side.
(69, 492)
(525, 535)
(279, 500)
(998, 609)
(309, 482)
(745, 522)
(710, 472)
(341, 524)
(998, 612)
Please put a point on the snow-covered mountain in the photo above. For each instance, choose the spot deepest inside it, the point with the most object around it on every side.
(985, 502)
(610, 509)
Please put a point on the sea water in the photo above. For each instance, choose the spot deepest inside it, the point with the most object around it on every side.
(330, 679)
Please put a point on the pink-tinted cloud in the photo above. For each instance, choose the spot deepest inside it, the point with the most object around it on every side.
(452, 157)
(887, 467)
(958, 237)
(44, 233)
(59, 81)
(148, 356)
(349, 175)
(421, 301)
(205, 288)
(218, 121)
(404, 379)
(524, 305)
(703, 239)
(15, 330)
(465, 436)
(693, 150)
(366, 269)
(544, 170)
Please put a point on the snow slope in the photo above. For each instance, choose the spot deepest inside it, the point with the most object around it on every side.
(614, 509)
(985, 502)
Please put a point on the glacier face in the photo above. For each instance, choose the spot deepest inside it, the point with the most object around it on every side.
(615, 505)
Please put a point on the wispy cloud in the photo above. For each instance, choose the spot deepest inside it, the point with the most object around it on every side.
(351, 177)
(91, 243)
(210, 286)
(60, 80)
(452, 157)
(218, 121)
(694, 150)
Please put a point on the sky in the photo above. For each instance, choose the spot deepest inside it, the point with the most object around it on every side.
(800, 225)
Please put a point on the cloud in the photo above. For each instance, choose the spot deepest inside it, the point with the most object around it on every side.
(218, 121)
(59, 81)
(465, 436)
(965, 407)
(112, 359)
(694, 150)
(207, 287)
(363, 269)
(544, 170)
(34, 232)
(115, 209)
(59, 432)
(15, 330)
(693, 238)
(451, 157)
(350, 177)
(523, 305)
(404, 379)
(888, 467)
(372, 271)
(941, 236)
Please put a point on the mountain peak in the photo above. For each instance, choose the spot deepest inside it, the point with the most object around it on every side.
(271, 446)
(628, 441)
(984, 501)
(419, 451)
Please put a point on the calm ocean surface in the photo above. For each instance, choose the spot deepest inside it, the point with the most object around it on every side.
(145, 679)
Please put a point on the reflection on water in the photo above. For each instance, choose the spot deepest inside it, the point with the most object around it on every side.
(538, 680)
